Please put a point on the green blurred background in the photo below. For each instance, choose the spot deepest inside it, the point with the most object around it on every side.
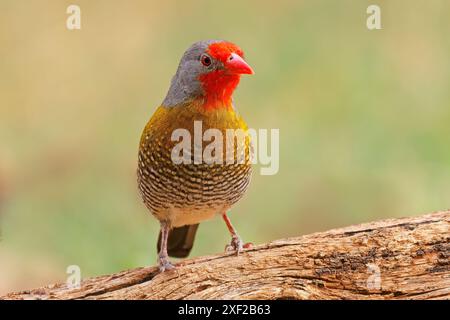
(364, 119)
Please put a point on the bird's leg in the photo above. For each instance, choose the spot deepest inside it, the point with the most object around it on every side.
(163, 257)
(236, 241)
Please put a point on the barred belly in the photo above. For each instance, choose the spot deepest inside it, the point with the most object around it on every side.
(189, 193)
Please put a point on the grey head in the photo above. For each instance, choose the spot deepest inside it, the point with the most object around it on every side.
(185, 83)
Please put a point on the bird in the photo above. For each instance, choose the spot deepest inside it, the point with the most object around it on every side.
(181, 195)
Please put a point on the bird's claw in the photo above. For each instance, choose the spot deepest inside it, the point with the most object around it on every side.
(164, 264)
(235, 245)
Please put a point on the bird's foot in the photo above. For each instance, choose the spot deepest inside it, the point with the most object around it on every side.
(237, 245)
(164, 263)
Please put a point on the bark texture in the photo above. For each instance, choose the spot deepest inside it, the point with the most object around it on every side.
(404, 258)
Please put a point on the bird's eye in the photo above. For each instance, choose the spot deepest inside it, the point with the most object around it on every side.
(206, 60)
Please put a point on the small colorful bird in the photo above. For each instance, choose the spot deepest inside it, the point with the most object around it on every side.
(182, 195)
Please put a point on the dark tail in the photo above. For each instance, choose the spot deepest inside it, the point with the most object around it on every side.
(181, 241)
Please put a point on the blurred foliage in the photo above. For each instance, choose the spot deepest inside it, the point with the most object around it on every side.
(363, 117)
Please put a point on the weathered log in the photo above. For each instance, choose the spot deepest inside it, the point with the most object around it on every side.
(404, 258)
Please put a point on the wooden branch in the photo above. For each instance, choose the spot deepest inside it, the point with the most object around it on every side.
(391, 259)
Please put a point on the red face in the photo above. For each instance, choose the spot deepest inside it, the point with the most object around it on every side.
(220, 83)
(231, 56)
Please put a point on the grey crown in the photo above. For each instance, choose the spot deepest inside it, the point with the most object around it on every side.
(185, 84)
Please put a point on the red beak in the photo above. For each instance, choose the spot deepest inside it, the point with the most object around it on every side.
(236, 64)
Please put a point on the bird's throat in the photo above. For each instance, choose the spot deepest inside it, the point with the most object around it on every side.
(218, 88)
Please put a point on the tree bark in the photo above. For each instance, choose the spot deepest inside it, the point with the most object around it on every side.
(404, 258)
